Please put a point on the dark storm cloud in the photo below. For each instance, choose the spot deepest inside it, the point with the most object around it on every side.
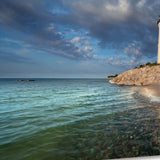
(118, 23)
(31, 22)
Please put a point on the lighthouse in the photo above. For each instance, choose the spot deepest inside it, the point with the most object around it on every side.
(158, 57)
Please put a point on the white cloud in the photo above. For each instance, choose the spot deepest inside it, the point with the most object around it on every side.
(122, 7)
(141, 3)
(88, 49)
(118, 11)
(75, 40)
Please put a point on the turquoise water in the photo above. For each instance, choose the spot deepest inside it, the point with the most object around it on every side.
(56, 119)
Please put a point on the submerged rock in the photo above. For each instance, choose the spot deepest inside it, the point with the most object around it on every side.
(140, 76)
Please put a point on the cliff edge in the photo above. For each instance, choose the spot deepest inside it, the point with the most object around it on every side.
(140, 76)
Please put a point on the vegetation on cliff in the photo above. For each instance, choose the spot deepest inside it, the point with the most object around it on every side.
(112, 76)
(147, 64)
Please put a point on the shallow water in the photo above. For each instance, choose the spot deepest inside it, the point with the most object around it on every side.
(56, 119)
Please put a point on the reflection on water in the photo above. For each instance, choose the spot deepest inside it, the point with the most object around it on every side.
(75, 119)
(152, 92)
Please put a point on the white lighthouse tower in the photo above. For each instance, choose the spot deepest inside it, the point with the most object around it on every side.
(158, 58)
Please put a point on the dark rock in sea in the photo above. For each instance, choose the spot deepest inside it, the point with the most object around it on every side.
(28, 80)
(20, 80)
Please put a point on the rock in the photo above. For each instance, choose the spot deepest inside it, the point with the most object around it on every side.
(28, 80)
(143, 76)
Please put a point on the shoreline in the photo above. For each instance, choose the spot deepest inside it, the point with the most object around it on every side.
(151, 91)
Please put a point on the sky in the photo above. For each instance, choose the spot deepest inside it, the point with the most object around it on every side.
(76, 38)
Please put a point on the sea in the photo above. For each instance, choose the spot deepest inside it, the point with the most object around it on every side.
(76, 119)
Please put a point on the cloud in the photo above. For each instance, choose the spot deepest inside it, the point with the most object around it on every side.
(115, 24)
(118, 23)
(88, 49)
(75, 40)
(141, 3)
(134, 51)
(31, 22)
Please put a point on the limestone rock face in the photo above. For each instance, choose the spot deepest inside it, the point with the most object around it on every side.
(139, 76)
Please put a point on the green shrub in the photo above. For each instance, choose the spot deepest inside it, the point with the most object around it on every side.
(112, 76)
(147, 64)
(141, 66)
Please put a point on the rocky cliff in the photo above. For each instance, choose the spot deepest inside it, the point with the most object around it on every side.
(140, 76)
